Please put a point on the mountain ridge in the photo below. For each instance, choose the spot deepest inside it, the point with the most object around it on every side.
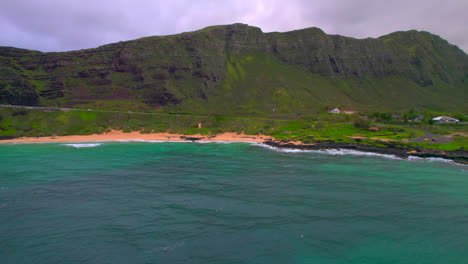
(242, 24)
(238, 69)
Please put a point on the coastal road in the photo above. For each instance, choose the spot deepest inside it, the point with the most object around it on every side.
(46, 108)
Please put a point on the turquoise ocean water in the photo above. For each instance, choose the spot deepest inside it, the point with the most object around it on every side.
(142, 202)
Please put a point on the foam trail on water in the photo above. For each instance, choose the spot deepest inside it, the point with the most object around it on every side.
(287, 150)
(83, 145)
(357, 153)
(342, 152)
(331, 152)
(335, 152)
(431, 159)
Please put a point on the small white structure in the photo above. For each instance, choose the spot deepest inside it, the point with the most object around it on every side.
(334, 111)
(445, 119)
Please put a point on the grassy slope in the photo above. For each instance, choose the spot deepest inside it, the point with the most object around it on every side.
(222, 70)
(338, 128)
(260, 84)
(238, 82)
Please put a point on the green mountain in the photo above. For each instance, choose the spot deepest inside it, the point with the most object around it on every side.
(239, 70)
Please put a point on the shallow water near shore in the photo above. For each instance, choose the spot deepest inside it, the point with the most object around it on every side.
(139, 202)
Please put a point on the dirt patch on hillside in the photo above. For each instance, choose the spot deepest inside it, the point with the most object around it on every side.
(433, 138)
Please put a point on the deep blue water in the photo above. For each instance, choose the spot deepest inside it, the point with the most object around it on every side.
(226, 203)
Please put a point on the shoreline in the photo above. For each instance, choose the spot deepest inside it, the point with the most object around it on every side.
(458, 156)
(391, 148)
(137, 136)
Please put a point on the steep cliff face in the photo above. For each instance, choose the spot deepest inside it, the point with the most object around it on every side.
(418, 56)
(239, 69)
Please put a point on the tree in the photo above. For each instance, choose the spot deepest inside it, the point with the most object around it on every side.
(361, 123)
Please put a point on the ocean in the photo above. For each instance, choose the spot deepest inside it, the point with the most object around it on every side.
(141, 202)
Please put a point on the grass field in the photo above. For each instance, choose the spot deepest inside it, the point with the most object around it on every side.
(324, 127)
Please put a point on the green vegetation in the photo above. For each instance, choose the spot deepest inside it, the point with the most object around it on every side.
(459, 142)
(319, 128)
(239, 70)
(236, 78)
(341, 131)
(32, 123)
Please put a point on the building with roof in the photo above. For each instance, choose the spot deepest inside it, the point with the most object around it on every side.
(445, 119)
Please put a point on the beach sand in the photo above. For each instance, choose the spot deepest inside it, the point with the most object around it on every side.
(118, 136)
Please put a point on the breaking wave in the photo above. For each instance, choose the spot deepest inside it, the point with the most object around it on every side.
(431, 159)
(357, 153)
(342, 152)
(83, 145)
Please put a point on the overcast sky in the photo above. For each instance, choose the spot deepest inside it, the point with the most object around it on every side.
(60, 25)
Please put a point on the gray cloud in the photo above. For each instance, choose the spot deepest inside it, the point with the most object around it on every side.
(59, 25)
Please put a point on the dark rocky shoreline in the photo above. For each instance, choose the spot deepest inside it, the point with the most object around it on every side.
(390, 148)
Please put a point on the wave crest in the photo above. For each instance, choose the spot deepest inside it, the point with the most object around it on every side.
(342, 152)
(85, 145)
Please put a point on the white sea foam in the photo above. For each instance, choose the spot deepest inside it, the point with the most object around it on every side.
(342, 152)
(357, 153)
(83, 145)
(293, 150)
(415, 158)
(287, 150)
(334, 152)
(431, 159)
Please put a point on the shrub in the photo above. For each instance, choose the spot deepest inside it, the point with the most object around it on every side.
(361, 123)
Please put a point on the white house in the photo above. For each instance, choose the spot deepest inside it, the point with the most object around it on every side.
(334, 111)
(445, 119)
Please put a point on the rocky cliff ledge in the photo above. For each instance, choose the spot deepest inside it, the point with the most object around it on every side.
(390, 148)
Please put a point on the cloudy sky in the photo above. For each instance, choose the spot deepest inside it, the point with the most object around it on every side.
(60, 25)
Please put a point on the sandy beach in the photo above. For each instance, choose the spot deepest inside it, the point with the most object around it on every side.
(118, 135)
